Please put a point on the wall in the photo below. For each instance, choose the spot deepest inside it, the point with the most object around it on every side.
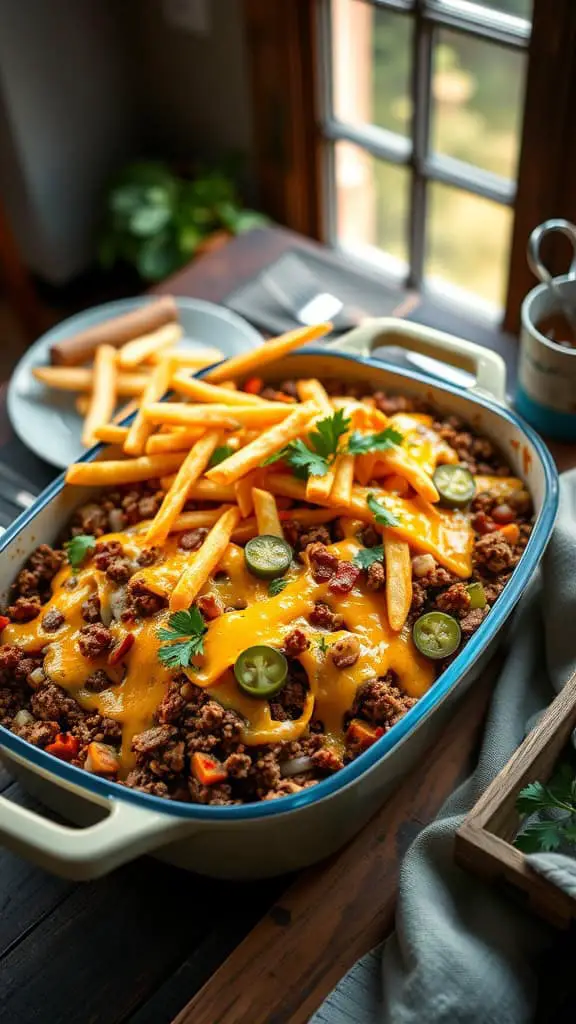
(66, 120)
(193, 90)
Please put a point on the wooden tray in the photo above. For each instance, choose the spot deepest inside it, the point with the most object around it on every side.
(483, 843)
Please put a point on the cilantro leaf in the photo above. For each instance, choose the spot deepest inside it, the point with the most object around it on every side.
(549, 832)
(315, 461)
(381, 514)
(359, 444)
(539, 835)
(219, 454)
(532, 798)
(276, 586)
(184, 638)
(325, 439)
(78, 548)
(367, 556)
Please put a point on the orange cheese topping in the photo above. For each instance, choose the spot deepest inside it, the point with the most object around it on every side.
(140, 682)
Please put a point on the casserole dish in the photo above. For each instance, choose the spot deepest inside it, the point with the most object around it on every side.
(260, 839)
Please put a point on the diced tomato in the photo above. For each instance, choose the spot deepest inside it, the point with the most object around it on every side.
(210, 605)
(4, 621)
(207, 769)
(253, 386)
(64, 746)
(101, 759)
(121, 649)
(362, 735)
(344, 579)
(511, 531)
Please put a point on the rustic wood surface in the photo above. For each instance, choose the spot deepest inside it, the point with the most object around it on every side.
(136, 946)
(483, 843)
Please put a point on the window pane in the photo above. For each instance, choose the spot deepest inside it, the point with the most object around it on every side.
(371, 201)
(468, 242)
(478, 94)
(371, 57)
(519, 8)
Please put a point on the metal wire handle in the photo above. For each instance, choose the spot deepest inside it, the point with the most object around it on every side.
(539, 268)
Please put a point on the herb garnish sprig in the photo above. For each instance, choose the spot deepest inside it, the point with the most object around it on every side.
(316, 457)
(559, 797)
(361, 444)
(184, 638)
(78, 548)
(381, 514)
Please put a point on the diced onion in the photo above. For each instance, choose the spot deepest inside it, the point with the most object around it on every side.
(118, 603)
(296, 765)
(38, 676)
(23, 717)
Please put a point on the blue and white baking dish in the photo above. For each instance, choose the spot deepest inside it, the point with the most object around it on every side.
(273, 837)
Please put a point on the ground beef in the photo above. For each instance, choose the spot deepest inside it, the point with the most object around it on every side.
(344, 579)
(323, 617)
(326, 760)
(98, 681)
(469, 624)
(171, 706)
(381, 702)
(95, 640)
(238, 765)
(217, 796)
(52, 621)
(52, 704)
(390, 404)
(370, 537)
(483, 502)
(149, 505)
(192, 540)
(90, 519)
(142, 601)
(26, 583)
(106, 552)
(149, 556)
(323, 564)
(41, 734)
(454, 601)
(494, 552)
(143, 780)
(296, 643)
(119, 570)
(24, 609)
(375, 576)
(346, 651)
(152, 739)
(90, 609)
(288, 704)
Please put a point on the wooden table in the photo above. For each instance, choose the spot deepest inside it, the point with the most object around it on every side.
(151, 943)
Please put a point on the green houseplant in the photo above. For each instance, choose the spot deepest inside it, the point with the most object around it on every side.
(155, 220)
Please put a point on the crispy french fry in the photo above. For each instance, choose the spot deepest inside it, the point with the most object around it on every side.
(140, 428)
(175, 441)
(202, 490)
(244, 532)
(286, 485)
(191, 469)
(81, 404)
(111, 433)
(313, 391)
(139, 349)
(240, 365)
(228, 416)
(398, 579)
(267, 516)
(396, 484)
(193, 358)
(230, 385)
(202, 391)
(205, 561)
(103, 395)
(123, 471)
(318, 488)
(398, 461)
(270, 442)
(80, 378)
(243, 491)
(343, 479)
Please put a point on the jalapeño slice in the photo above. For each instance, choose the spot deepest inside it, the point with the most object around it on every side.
(455, 485)
(436, 635)
(267, 556)
(261, 671)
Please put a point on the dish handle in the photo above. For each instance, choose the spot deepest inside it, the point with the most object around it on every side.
(82, 854)
(488, 367)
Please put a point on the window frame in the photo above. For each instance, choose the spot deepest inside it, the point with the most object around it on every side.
(290, 73)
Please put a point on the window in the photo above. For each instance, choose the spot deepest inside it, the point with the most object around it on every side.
(430, 135)
(422, 121)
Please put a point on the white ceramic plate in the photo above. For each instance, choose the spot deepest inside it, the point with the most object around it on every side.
(47, 421)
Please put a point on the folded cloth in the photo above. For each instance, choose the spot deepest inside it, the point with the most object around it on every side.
(463, 952)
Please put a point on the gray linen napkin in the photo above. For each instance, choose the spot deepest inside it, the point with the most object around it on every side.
(463, 952)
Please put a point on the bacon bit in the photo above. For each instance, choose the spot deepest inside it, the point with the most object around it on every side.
(65, 746)
(362, 735)
(210, 606)
(101, 759)
(121, 649)
(344, 578)
(511, 532)
(207, 770)
(4, 621)
(253, 386)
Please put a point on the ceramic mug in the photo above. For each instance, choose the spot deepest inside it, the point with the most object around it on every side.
(546, 388)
